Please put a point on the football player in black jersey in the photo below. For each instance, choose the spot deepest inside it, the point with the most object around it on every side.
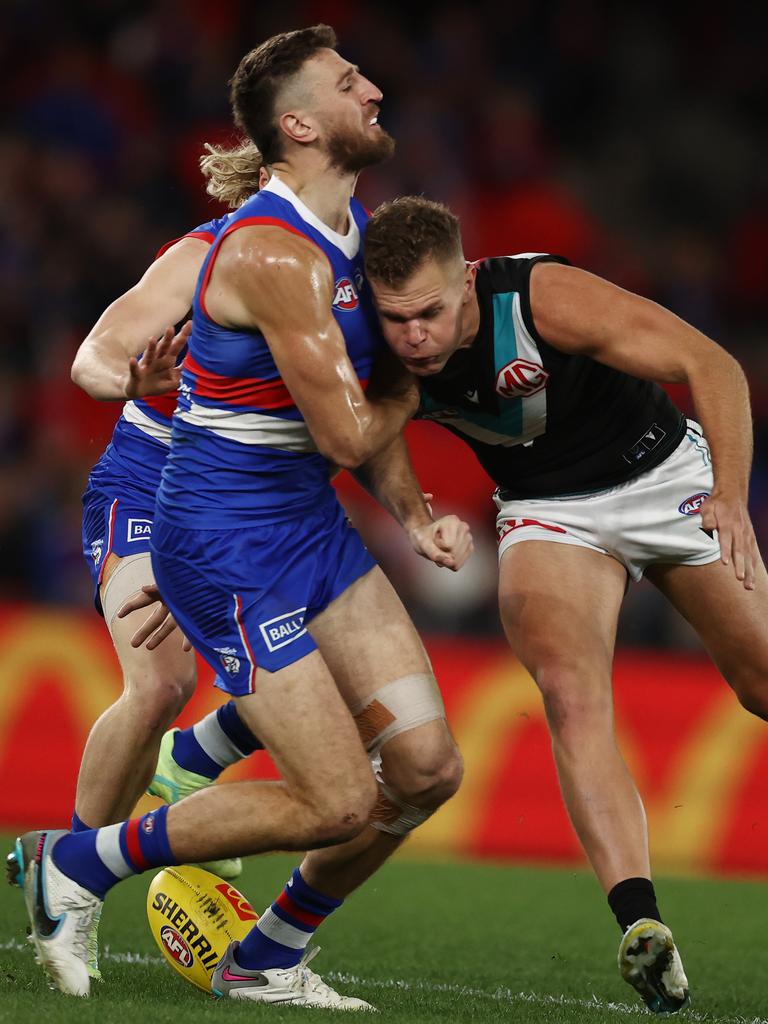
(550, 373)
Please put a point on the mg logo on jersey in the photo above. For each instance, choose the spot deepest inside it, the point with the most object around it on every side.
(139, 529)
(520, 379)
(176, 946)
(692, 506)
(345, 296)
(283, 629)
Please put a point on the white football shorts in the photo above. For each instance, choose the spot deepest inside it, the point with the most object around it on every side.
(652, 518)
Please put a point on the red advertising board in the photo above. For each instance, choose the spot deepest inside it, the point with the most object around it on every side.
(699, 759)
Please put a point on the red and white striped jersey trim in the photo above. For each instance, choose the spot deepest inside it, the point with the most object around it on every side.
(159, 431)
(252, 428)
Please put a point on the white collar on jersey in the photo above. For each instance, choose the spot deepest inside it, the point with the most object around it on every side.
(349, 244)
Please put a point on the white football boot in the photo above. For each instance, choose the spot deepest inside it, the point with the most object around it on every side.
(62, 914)
(296, 985)
(650, 962)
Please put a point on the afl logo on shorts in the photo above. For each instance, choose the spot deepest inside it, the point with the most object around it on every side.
(692, 506)
(520, 379)
(345, 296)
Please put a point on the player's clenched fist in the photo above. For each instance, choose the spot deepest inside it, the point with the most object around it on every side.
(446, 541)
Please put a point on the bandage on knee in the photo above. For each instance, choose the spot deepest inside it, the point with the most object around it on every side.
(397, 707)
(128, 577)
(391, 814)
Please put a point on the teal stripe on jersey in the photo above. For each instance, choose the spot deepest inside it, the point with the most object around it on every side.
(504, 351)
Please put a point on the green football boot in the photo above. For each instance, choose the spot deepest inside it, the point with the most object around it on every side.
(172, 783)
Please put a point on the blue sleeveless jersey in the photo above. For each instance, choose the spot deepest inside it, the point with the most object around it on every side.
(141, 439)
(241, 452)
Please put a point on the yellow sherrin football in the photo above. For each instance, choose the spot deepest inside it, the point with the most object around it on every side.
(193, 916)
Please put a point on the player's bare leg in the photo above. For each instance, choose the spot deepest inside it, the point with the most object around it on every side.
(326, 790)
(732, 622)
(369, 641)
(326, 796)
(121, 752)
(559, 606)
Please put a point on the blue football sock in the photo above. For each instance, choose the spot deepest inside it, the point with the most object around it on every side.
(100, 858)
(215, 742)
(78, 825)
(280, 936)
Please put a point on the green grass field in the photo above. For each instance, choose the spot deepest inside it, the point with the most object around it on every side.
(431, 942)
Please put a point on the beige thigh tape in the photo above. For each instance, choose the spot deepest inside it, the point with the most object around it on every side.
(397, 707)
(130, 575)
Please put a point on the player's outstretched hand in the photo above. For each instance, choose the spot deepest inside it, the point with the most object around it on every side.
(160, 623)
(730, 517)
(156, 372)
(447, 542)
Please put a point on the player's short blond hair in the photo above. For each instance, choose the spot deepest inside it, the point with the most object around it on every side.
(232, 175)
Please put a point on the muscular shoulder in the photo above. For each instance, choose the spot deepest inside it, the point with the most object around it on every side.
(264, 269)
(272, 252)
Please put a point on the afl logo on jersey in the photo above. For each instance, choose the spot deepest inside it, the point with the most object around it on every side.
(345, 296)
(692, 506)
(520, 379)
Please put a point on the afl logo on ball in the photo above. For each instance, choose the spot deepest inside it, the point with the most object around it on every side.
(176, 946)
(345, 295)
(692, 506)
(520, 379)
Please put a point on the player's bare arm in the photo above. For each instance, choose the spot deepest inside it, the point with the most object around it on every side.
(390, 478)
(281, 284)
(579, 313)
(106, 364)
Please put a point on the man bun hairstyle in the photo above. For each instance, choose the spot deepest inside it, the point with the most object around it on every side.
(231, 175)
(260, 76)
(402, 234)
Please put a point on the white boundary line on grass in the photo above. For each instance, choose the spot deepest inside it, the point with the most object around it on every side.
(500, 995)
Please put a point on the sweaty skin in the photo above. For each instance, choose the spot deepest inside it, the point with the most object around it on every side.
(269, 280)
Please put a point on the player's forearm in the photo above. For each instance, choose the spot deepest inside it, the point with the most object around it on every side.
(390, 478)
(100, 372)
(721, 399)
(364, 432)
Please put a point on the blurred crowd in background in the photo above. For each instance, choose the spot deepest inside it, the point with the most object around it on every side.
(629, 138)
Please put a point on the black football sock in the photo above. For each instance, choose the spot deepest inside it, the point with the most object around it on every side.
(632, 899)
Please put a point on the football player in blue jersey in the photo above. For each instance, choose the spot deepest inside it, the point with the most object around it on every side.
(549, 373)
(313, 680)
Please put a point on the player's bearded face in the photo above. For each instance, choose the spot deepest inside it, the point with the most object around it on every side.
(351, 149)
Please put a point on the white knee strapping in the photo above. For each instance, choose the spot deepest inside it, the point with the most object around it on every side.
(130, 575)
(397, 707)
(391, 814)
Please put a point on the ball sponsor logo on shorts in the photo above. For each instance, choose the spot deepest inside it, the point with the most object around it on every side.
(521, 379)
(345, 295)
(139, 529)
(283, 629)
(692, 506)
(176, 946)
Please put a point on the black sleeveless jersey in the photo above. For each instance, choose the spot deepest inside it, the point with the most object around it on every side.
(544, 423)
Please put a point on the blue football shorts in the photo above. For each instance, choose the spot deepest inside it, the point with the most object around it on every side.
(114, 522)
(244, 597)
